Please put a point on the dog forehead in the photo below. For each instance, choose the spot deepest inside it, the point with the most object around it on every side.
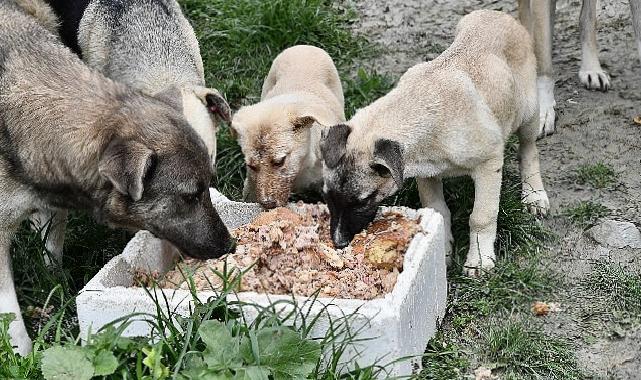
(268, 142)
(350, 176)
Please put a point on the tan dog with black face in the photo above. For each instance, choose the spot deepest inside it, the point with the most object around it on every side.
(280, 136)
(448, 117)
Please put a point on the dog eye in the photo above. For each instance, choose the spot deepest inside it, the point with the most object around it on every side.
(252, 167)
(279, 162)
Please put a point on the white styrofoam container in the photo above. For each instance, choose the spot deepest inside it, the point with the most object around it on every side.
(396, 326)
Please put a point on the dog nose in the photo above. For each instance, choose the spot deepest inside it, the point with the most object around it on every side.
(268, 203)
(340, 240)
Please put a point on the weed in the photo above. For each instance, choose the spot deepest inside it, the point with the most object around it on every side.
(510, 284)
(620, 289)
(364, 89)
(586, 213)
(520, 351)
(599, 175)
(443, 360)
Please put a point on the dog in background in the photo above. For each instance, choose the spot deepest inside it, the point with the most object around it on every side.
(280, 135)
(73, 139)
(591, 74)
(149, 45)
(448, 117)
(538, 17)
(146, 44)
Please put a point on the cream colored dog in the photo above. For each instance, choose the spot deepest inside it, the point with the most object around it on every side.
(280, 135)
(448, 117)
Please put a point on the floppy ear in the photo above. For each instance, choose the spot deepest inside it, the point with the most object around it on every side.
(125, 164)
(171, 96)
(388, 160)
(215, 103)
(334, 144)
(303, 122)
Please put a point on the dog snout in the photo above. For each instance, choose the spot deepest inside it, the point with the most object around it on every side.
(341, 236)
(340, 239)
(268, 203)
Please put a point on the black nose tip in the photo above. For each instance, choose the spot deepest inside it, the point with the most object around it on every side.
(341, 244)
(341, 241)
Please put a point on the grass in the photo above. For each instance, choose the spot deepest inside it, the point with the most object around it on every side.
(443, 360)
(599, 175)
(519, 351)
(619, 289)
(586, 213)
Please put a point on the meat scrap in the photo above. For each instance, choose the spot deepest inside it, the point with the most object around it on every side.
(286, 251)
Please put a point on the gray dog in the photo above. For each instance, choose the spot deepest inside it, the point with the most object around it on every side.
(73, 139)
(149, 45)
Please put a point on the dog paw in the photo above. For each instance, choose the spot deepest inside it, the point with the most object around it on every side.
(547, 114)
(595, 79)
(537, 202)
(477, 264)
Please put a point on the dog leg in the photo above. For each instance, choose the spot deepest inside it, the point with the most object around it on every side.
(8, 301)
(540, 22)
(591, 73)
(635, 6)
(525, 14)
(430, 190)
(534, 195)
(487, 191)
(51, 225)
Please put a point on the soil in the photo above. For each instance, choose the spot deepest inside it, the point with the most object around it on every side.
(289, 251)
(591, 127)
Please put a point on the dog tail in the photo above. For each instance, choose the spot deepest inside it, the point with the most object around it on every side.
(42, 12)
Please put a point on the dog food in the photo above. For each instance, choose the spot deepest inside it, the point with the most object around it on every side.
(285, 251)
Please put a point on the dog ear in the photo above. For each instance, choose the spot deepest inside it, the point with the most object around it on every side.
(215, 103)
(303, 122)
(125, 164)
(388, 160)
(172, 96)
(334, 144)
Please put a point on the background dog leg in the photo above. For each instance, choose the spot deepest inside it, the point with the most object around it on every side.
(430, 190)
(8, 300)
(51, 225)
(534, 195)
(635, 5)
(487, 190)
(591, 73)
(540, 23)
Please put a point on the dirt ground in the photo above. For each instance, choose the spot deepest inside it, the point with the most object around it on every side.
(591, 127)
